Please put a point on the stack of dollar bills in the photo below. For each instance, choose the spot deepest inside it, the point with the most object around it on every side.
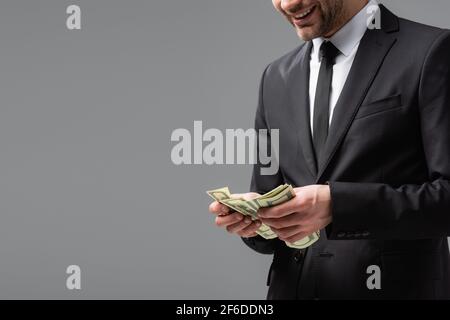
(279, 195)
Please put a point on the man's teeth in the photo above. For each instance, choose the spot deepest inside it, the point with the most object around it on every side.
(304, 14)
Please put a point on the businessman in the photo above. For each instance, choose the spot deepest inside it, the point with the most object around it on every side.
(364, 120)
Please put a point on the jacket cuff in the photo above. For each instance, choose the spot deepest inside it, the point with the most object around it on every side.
(353, 218)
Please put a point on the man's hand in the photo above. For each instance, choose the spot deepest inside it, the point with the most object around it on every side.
(307, 212)
(235, 222)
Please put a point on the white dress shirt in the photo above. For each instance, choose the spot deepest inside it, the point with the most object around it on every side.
(347, 40)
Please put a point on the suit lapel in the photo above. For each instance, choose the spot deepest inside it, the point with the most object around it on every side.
(373, 48)
(299, 104)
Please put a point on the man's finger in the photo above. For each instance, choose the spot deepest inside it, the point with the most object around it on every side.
(283, 222)
(235, 228)
(218, 208)
(297, 237)
(280, 210)
(246, 196)
(251, 235)
(288, 232)
(224, 221)
(250, 231)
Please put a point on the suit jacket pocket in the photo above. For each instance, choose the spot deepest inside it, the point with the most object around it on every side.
(411, 275)
(378, 106)
(414, 265)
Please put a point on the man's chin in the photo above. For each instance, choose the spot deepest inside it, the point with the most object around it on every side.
(307, 33)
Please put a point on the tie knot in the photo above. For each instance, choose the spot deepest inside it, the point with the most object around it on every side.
(328, 51)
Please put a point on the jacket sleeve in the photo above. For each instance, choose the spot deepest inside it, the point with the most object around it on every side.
(262, 183)
(380, 211)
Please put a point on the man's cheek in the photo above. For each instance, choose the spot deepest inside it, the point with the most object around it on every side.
(277, 4)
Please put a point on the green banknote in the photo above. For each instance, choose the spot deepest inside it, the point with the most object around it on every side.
(279, 195)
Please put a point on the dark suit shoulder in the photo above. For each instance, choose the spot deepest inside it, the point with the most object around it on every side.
(419, 34)
(282, 65)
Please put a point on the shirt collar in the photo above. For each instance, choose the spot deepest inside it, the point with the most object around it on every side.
(346, 38)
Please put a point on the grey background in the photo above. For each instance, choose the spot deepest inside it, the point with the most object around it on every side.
(85, 124)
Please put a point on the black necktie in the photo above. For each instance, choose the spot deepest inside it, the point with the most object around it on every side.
(328, 53)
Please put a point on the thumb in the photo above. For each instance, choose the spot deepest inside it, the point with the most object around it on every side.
(245, 196)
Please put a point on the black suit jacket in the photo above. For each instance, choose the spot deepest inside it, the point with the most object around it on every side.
(387, 161)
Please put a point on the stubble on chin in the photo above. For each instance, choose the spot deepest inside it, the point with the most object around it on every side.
(311, 32)
(305, 35)
(330, 18)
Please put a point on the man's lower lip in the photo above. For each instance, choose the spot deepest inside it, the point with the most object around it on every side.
(302, 21)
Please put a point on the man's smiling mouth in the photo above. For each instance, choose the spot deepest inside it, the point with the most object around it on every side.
(301, 16)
